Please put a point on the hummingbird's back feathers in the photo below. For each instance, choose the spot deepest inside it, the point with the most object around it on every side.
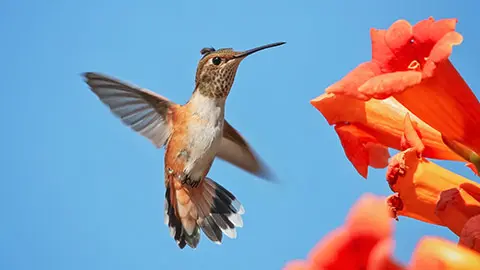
(144, 111)
(209, 207)
(236, 150)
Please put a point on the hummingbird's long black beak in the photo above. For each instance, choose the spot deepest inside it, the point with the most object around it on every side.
(254, 50)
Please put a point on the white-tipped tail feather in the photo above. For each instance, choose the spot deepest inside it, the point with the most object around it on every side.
(209, 207)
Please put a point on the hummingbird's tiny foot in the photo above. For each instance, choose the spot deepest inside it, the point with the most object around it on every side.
(187, 181)
(194, 184)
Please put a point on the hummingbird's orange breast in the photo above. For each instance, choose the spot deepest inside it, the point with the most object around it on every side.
(175, 159)
(197, 130)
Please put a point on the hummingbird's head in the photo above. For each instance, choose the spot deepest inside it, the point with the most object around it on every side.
(217, 68)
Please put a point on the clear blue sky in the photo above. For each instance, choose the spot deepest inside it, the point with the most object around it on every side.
(78, 190)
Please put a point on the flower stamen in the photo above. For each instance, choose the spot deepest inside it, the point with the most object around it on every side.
(415, 65)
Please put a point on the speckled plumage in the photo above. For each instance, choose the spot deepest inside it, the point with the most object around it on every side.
(216, 81)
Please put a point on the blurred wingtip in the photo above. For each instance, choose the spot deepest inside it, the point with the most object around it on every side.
(85, 75)
(267, 174)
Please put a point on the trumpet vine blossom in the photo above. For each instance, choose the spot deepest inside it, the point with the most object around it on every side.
(408, 97)
(367, 128)
(365, 241)
(410, 64)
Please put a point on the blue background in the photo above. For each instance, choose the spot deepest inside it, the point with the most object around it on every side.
(78, 190)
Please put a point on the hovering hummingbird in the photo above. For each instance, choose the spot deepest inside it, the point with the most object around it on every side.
(193, 135)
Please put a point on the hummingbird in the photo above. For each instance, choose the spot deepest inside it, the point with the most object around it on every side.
(193, 135)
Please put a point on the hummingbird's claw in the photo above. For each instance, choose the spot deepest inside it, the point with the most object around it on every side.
(187, 181)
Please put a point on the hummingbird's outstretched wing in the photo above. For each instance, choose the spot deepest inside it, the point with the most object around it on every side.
(235, 150)
(144, 111)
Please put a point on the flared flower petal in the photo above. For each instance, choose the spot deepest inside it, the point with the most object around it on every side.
(363, 127)
(381, 257)
(410, 63)
(298, 265)
(438, 254)
(456, 206)
(430, 193)
(361, 148)
(452, 111)
(470, 235)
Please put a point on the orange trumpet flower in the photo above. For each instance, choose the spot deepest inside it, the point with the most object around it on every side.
(470, 235)
(428, 192)
(363, 242)
(410, 63)
(367, 128)
(411, 98)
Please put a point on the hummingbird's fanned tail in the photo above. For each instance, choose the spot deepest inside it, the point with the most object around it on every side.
(209, 207)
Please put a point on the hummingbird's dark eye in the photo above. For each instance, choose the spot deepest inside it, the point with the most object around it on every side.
(216, 60)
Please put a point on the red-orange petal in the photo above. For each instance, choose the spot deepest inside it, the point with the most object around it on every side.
(440, 52)
(363, 242)
(455, 207)
(370, 210)
(381, 257)
(442, 35)
(349, 84)
(298, 265)
(394, 49)
(333, 252)
(470, 234)
(361, 148)
(368, 223)
(389, 84)
(383, 120)
(446, 89)
(438, 254)
(414, 68)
